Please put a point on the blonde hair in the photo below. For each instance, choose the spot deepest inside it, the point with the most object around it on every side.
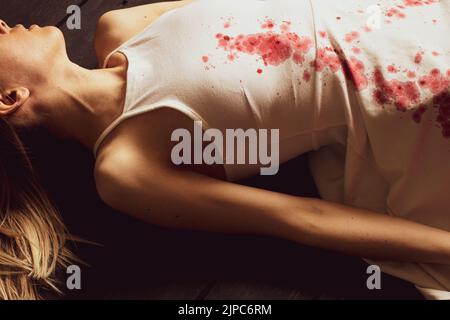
(33, 238)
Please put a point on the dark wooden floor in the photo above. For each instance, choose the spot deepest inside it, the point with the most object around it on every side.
(143, 262)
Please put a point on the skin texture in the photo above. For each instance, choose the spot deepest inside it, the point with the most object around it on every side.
(134, 173)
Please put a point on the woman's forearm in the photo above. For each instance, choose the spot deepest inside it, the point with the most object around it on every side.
(364, 233)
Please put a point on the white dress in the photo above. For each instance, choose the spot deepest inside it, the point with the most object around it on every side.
(364, 85)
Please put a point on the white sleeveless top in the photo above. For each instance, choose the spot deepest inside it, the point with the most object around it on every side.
(362, 84)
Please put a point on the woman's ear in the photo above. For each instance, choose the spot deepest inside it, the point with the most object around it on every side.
(11, 100)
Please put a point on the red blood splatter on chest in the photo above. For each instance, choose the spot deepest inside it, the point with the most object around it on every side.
(306, 75)
(442, 103)
(351, 36)
(418, 57)
(272, 47)
(268, 24)
(419, 112)
(411, 74)
(394, 12)
(435, 81)
(392, 68)
(326, 58)
(416, 3)
(403, 95)
(356, 50)
(355, 71)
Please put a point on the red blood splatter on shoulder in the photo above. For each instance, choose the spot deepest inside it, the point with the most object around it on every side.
(435, 81)
(403, 95)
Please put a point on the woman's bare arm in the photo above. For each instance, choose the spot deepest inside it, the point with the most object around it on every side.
(176, 198)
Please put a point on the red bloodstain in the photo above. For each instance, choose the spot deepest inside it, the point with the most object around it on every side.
(350, 37)
(435, 81)
(326, 58)
(268, 24)
(354, 70)
(394, 12)
(205, 59)
(356, 50)
(418, 57)
(273, 48)
(322, 34)
(419, 112)
(306, 76)
(403, 95)
(435, 53)
(226, 25)
(411, 74)
(367, 29)
(285, 26)
(259, 71)
(442, 103)
(392, 69)
(416, 3)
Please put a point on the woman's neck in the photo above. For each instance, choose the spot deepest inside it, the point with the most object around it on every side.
(86, 102)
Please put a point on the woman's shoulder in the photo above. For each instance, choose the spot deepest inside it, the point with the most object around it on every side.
(117, 26)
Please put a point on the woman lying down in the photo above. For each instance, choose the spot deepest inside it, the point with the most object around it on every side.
(363, 86)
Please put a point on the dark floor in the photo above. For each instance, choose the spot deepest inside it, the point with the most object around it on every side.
(143, 262)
